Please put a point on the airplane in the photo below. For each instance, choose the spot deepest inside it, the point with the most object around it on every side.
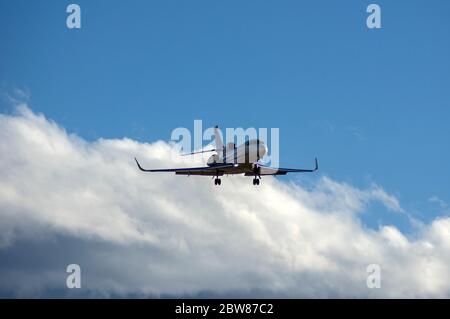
(230, 159)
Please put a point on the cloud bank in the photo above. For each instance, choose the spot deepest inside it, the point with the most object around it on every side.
(64, 200)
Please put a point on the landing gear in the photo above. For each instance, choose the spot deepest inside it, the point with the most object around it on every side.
(256, 171)
(217, 181)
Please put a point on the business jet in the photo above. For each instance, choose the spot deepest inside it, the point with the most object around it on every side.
(230, 159)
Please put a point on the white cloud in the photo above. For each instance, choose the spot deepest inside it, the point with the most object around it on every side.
(442, 204)
(165, 234)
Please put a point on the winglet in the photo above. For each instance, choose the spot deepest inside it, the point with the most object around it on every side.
(317, 165)
(140, 167)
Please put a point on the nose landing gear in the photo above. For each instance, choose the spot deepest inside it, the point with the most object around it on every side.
(255, 181)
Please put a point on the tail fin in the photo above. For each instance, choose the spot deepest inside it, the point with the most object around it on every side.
(218, 138)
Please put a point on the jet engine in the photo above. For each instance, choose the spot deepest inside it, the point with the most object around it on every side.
(213, 159)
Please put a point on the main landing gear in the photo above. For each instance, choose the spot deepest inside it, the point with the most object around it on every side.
(217, 181)
(255, 181)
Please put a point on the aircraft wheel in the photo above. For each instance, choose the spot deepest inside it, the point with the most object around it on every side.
(219, 181)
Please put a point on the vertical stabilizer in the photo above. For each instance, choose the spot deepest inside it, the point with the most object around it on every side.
(218, 138)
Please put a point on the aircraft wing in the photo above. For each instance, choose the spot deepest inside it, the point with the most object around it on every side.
(266, 170)
(216, 170)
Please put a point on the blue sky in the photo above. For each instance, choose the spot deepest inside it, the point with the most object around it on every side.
(372, 105)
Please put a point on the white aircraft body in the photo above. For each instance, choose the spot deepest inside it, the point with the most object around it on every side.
(230, 159)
